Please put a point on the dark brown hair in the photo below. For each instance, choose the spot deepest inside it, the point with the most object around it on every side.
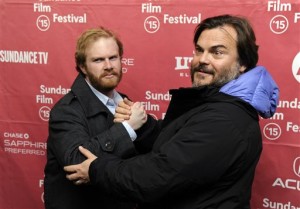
(246, 43)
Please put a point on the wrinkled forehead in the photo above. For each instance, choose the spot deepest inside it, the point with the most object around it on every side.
(223, 35)
(230, 31)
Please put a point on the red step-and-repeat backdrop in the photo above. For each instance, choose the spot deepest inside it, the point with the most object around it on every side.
(37, 44)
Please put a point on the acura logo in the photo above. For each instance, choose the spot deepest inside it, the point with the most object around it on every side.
(296, 166)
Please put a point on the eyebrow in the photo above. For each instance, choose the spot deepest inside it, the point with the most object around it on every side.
(218, 46)
(101, 57)
(212, 47)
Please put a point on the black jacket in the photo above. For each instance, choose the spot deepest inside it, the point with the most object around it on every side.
(205, 155)
(79, 118)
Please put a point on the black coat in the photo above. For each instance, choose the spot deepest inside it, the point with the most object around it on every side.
(205, 155)
(79, 118)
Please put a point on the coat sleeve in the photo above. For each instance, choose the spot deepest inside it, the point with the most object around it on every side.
(68, 129)
(195, 153)
(147, 135)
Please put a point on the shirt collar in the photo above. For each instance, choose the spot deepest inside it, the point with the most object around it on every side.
(116, 98)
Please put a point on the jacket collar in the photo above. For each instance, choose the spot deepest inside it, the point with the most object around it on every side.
(257, 88)
(186, 99)
(88, 100)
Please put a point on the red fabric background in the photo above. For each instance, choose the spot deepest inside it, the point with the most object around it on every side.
(157, 37)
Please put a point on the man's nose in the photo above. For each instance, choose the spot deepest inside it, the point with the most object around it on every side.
(204, 58)
(108, 64)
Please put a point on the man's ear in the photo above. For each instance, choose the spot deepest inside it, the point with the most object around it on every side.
(83, 70)
(242, 69)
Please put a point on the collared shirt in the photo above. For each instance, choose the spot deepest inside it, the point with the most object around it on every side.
(111, 104)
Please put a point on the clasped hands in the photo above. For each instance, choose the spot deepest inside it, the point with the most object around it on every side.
(133, 113)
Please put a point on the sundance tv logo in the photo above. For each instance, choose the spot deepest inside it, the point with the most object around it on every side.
(290, 184)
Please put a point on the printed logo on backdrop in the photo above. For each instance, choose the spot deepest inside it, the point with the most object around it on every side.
(45, 20)
(280, 23)
(44, 113)
(182, 65)
(30, 57)
(296, 166)
(43, 23)
(127, 63)
(153, 22)
(292, 184)
(296, 67)
(22, 144)
(272, 131)
(45, 99)
(41, 186)
(24, 57)
(151, 104)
